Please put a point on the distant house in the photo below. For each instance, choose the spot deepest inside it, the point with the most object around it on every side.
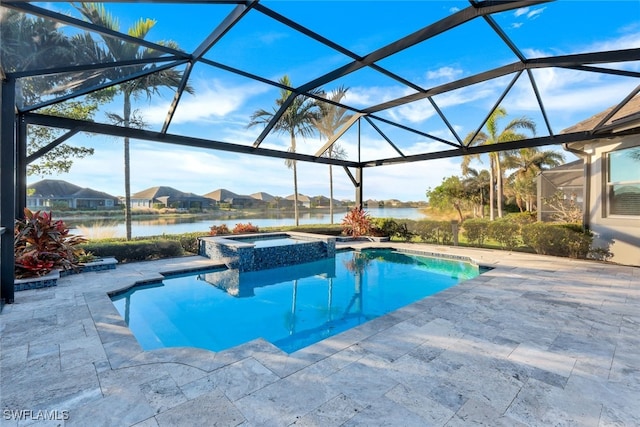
(611, 176)
(371, 203)
(273, 202)
(52, 193)
(303, 200)
(234, 200)
(323, 202)
(168, 197)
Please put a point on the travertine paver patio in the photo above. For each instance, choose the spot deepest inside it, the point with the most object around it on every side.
(535, 341)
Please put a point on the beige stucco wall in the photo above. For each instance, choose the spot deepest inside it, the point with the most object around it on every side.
(621, 234)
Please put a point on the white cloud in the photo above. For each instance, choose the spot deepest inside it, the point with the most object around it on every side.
(444, 73)
(212, 99)
(367, 96)
(521, 11)
(535, 13)
(516, 25)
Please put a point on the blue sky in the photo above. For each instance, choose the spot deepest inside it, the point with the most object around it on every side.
(224, 102)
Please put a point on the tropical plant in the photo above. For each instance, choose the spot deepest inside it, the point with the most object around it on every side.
(332, 117)
(42, 245)
(149, 85)
(565, 209)
(245, 228)
(356, 223)
(494, 136)
(219, 230)
(296, 121)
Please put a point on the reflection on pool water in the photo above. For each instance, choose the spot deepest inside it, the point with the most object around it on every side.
(292, 307)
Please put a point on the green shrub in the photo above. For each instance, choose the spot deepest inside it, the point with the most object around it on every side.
(384, 226)
(476, 230)
(188, 241)
(557, 239)
(506, 232)
(433, 231)
(522, 218)
(135, 250)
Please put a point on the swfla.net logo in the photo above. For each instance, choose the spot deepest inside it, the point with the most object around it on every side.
(31, 415)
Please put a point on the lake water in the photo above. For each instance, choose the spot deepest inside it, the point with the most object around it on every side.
(91, 228)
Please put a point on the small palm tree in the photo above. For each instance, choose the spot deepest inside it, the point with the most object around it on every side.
(477, 185)
(297, 121)
(332, 118)
(527, 163)
(494, 136)
(119, 50)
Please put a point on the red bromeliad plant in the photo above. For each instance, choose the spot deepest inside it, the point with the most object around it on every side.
(356, 223)
(245, 228)
(41, 245)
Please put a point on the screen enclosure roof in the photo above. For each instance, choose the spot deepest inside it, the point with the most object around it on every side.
(411, 81)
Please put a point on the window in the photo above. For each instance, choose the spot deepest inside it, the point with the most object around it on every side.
(623, 182)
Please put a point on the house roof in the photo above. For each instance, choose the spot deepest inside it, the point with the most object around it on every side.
(221, 195)
(88, 193)
(157, 192)
(630, 112)
(301, 198)
(261, 195)
(54, 188)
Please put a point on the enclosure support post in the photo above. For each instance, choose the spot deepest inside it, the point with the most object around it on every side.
(359, 188)
(8, 189)
(21, 167)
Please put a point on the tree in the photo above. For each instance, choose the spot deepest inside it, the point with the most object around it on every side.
(494, 136)
(149, 85)
(528, 163)
(477, 185)
(332, 118)
(450, 194)
(37, 43)
(297, 121)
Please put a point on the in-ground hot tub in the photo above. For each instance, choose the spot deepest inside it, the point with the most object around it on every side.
(250, 252)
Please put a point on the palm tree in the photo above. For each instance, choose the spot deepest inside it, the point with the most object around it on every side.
(332, 118)
(528, 162)
(493, 136)
(296, 121)
(477, 185)
(118, 50)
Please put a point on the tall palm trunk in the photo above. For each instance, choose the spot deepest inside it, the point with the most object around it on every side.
(492, 189)
(127, 165)
(295, 180)
(331, 192)
(499, 186)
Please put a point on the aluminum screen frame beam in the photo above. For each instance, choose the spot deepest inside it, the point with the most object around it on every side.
(146, 135)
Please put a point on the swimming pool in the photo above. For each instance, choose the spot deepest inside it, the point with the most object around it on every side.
(292, 307)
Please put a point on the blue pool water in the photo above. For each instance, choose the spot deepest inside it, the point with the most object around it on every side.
(292, 307)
